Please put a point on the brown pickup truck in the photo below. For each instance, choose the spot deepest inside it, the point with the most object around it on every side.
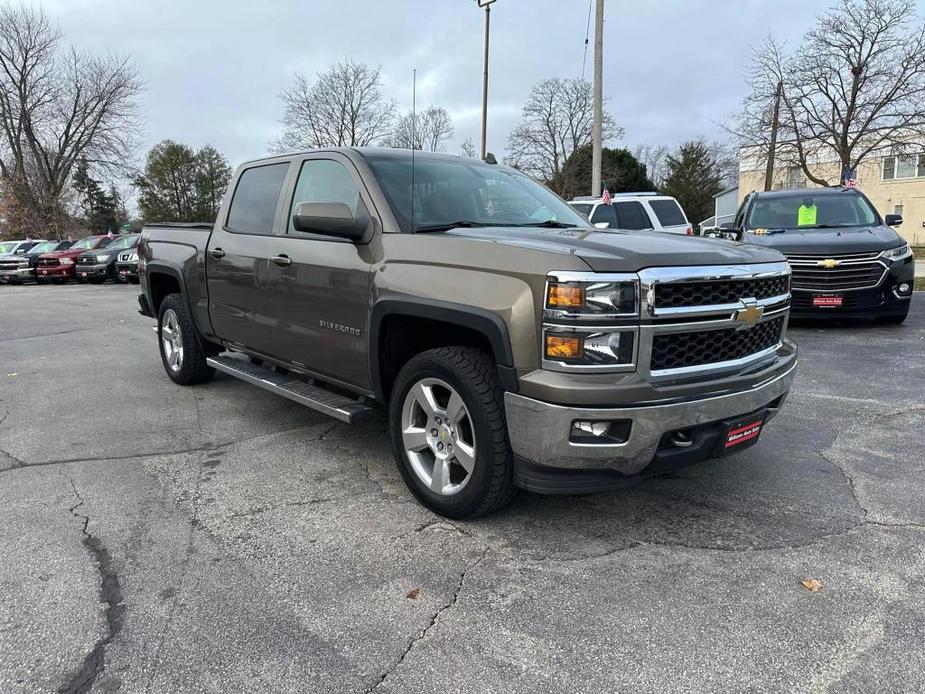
(514, 345)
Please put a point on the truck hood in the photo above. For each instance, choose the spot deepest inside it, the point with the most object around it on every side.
(829, 241)
(624, 251)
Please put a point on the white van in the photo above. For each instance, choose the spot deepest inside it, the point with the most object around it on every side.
(636, 212)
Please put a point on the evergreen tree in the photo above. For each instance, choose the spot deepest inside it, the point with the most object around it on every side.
(695, 176)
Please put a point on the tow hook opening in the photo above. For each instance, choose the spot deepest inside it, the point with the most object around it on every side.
(680, 439)
(600, 431)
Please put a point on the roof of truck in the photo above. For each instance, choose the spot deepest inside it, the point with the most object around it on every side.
(788, 192)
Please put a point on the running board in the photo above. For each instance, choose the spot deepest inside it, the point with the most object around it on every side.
(340, 407)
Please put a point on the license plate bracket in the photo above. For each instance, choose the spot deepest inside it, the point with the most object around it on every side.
(827, 300)
(741, 433)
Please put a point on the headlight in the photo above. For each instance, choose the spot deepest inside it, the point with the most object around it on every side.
(133, 258)
(590, 296)
(598, 347)
(899, 253)
(24, 263)
(66, 261)
(103, 258)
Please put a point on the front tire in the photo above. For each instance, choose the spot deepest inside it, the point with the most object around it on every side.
(449, 434)
(182, 351)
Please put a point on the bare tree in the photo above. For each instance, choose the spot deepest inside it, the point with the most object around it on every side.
(467, 149)
(654, 157)
(555, 122)
(343, 107)
(854, 88)
(57, 107)
(429, 130)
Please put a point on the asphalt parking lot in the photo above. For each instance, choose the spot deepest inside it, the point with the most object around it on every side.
(219, 539)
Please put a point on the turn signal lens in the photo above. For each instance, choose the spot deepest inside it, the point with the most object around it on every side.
(560, 347)
(565, 296)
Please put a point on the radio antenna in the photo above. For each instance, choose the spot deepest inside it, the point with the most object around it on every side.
(414, 136)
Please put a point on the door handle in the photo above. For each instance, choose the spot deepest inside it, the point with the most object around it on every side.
(217, 253)
(281, 260)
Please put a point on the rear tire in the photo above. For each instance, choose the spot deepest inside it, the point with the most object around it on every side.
(182, 350)
(453, 391)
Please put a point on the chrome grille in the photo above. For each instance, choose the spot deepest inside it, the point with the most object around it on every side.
(86, 260)
(9, 264)
(679, 350)
(701, 321)
(714, 292)
(848, 271)
(49, 262)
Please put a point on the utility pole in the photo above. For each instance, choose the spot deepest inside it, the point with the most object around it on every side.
(487, 5)
(598, 108)
(772, 147)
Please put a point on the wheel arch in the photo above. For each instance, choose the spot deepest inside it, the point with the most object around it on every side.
(429, 324)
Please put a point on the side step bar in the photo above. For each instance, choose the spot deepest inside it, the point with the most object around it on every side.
(340, 407)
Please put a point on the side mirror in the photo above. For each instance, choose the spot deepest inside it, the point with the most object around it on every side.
(601, 225)
(329, 219)
(893, 220)
(728, 226)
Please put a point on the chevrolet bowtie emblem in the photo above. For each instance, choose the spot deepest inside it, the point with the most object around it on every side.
(748, 315)
(828, 263)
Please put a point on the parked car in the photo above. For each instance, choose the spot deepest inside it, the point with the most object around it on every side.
(635, 212)
(59, 266)
(127, 264)
(846, 259)
(16, 269)
(514, 344)
(12, 253)
(98, 265)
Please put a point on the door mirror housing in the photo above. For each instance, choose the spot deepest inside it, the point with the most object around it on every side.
(329, 219)
(893, 220)
(728, 226)
(601, 225)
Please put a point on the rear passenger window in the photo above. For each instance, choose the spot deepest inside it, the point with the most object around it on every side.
(253, 206)
(668, 213)
(605, 213)
(633, 216)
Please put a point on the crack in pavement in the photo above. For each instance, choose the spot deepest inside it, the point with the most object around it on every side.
(433, 621)
(110, 595)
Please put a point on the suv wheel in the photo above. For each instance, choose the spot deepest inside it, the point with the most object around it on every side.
(181, 349)
(449, 436)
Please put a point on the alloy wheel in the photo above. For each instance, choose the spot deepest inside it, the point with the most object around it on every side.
(172, 340)
(438, 436)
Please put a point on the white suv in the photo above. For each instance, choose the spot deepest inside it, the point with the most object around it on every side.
(635, 212)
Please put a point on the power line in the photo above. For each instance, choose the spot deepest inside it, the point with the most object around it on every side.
(584, 58)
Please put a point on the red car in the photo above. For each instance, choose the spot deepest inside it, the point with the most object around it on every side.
(59, 265)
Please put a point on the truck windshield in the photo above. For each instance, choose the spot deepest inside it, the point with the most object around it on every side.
(84, 244)
(807, 211)
(447, 191)
(7, 247)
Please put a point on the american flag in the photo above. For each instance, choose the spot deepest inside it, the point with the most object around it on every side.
(605, 198)
(847, 178)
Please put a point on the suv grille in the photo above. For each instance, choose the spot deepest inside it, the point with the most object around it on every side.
(859, 273)
(677, 350)
(49, 262)
(712, 292)
(86, 260)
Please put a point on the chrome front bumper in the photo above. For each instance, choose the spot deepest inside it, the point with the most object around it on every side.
(539, 432)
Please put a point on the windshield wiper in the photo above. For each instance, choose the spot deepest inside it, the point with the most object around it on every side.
(463, 223)
(549, 224)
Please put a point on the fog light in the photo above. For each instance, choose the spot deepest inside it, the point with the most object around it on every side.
(903, 290)
(600, 431)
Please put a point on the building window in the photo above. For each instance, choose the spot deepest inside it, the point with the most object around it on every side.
(795, 177)
(903, 166)
(898, 209)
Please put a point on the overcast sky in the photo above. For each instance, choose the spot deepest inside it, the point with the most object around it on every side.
(213, 69)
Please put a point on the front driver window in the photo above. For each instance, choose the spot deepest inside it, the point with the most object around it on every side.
(324, 180)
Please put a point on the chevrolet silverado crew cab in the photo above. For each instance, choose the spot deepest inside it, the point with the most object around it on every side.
(514, 345)
(847, 261)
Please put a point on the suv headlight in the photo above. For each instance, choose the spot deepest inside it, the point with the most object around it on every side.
(584, 296)
(103, 258)
(66, 261)
(898, 253)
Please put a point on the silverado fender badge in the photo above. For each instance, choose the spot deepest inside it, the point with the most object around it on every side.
(749, 315)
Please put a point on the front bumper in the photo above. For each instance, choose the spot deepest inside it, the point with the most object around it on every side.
(17, 274)
(87, 272)
(55, 272)
(127, 270)
(548, 461)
